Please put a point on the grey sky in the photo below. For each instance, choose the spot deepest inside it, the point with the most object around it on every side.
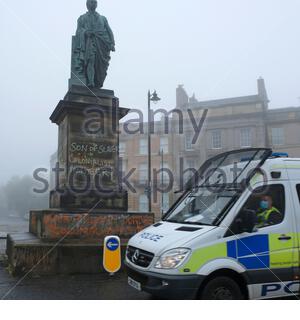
(215, 48)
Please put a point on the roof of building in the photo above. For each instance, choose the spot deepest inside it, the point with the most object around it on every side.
(227, 102)
(285, 109)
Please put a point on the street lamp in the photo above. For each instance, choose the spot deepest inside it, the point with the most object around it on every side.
(154, 98)
(161, 153)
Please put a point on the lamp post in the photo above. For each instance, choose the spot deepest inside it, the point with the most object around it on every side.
(154, 98)
(162, 179)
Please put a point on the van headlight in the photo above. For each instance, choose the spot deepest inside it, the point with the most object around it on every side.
(172, 259)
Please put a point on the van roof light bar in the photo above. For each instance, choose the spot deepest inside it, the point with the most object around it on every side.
(280, 155)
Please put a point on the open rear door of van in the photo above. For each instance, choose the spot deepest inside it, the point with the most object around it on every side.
(233, 169)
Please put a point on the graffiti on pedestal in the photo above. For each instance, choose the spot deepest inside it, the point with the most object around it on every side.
(90, 160)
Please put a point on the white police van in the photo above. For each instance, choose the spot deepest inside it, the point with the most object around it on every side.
(210, 245)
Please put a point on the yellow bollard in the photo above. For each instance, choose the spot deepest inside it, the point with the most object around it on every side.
(112, 254)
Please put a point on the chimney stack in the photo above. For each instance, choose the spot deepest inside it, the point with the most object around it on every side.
(181, 97)
(262, 92)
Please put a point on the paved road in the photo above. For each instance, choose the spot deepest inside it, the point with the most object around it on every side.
(13, 224)
(81, 287)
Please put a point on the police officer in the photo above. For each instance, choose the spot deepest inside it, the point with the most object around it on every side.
(267, 214)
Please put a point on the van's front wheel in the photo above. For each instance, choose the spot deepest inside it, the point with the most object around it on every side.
(221, 288)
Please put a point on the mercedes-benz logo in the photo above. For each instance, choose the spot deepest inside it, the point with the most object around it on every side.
(136, 256)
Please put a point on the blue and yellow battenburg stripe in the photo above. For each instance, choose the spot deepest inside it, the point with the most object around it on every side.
(253, 252)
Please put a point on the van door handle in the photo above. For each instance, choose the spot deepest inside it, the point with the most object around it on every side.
(284, 238)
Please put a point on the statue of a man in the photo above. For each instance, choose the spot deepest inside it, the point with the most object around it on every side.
(94, 42)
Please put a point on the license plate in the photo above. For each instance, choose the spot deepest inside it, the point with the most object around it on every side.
(134, 284)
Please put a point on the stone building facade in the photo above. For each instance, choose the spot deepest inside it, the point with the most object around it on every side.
(232, 123)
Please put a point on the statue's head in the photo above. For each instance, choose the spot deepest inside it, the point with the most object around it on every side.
(92, 5)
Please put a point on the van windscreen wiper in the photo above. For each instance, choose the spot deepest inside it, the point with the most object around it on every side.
(197, 223)
(188, 222)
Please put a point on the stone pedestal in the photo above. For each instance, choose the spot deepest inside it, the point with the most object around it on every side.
(87, 202)
(87, 175)
(53, 225)
(69, 242)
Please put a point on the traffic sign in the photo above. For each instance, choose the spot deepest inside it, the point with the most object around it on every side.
(112, 254)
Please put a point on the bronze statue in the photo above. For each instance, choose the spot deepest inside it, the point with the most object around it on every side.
(92, 45)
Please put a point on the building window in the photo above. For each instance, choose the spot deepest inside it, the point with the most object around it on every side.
(122, 147)
(190, 169)
(246, 138)
(143, 173)
(164, 174)
(143, 203)
(143, 146)
(277, 136)
(217, 139)
(123, 165)
(164, 144)
(165, 202)
(190, 164)
(189, 141)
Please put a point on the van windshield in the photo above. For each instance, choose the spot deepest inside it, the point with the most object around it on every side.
(203, 206)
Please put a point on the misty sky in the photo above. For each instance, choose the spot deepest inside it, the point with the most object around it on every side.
(216, 48)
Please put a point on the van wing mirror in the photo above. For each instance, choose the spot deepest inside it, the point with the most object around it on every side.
(248, 221)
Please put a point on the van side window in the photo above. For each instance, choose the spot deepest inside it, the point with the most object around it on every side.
(269, 205)
(298, 191)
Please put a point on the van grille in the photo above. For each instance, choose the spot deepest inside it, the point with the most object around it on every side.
(139, 257)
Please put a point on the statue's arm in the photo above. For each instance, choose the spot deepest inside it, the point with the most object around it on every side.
(80, 33)
(111, 35)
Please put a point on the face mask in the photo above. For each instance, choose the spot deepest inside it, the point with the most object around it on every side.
(264, 204)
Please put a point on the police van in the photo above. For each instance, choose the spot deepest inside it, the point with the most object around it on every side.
(234, 233)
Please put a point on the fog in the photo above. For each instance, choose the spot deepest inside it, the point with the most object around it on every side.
(215, 48)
